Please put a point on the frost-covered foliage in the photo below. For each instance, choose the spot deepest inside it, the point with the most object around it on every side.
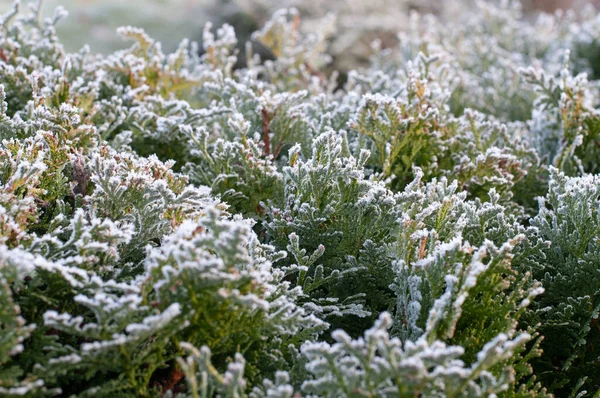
(188, 224)
(568, 313)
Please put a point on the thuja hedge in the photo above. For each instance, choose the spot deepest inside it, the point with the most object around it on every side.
(173, 226)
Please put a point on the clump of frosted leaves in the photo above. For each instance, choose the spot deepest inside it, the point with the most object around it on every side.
(568, 222)
(329, 215)
(213, 268)
(379, 365)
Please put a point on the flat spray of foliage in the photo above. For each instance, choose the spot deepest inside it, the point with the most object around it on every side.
(172, 226)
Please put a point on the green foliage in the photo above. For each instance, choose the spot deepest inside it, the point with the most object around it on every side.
(378, 365)
(340, 219)
(568, 116)
(189, 224)
(568, 312)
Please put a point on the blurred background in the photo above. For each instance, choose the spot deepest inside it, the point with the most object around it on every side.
(358, 22)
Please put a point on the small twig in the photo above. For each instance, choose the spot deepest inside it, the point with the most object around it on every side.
(80, 175)
(3, 56)
(315, 72)
(423, 247)
(171, 381)
(277, 150)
